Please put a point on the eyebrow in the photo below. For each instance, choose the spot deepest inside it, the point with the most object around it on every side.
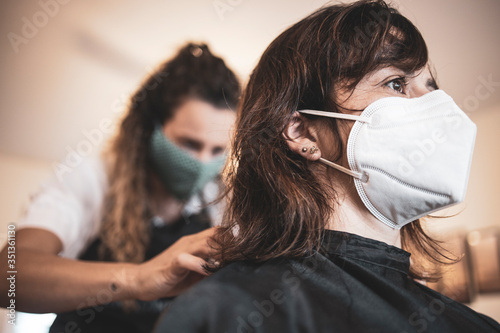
(198, 144)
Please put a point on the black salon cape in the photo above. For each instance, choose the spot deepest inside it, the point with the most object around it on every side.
(360, 285)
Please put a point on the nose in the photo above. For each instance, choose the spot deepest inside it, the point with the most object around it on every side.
(422, 84)
(419, 90)
(204, 155)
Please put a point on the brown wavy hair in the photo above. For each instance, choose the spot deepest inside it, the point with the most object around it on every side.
(194, 72)
(277, 206)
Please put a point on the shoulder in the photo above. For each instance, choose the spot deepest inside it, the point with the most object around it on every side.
(69, 204)
(240, 296)
(87, 180)
(90, 171)
(87, 176)
(242, 278)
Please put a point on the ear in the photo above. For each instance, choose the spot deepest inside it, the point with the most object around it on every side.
(301, 137)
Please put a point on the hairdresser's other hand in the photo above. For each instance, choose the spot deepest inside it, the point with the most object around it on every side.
(173, 270)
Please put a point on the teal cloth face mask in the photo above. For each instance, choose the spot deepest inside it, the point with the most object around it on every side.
(181, 174)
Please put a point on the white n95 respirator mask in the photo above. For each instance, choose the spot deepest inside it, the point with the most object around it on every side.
(408, 157)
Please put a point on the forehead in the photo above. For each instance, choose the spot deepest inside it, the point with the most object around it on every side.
(200, 121)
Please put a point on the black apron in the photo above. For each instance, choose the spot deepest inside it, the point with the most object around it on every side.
(112, 317)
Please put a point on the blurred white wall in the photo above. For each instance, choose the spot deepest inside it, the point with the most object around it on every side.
(68, 65)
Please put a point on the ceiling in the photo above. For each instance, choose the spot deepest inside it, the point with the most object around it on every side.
(61, 79)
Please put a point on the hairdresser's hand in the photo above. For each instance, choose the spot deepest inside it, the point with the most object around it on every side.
(173, 270)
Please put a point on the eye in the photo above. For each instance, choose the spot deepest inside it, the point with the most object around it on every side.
(189, 144)
(398, 85)
(217, 151)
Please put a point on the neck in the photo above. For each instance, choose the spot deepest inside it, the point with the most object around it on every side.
(163, 204)
(353, 217)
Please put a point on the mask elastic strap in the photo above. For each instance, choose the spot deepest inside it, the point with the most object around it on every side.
(358, 175)
(336, 115)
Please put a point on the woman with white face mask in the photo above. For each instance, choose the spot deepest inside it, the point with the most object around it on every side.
(343, 142)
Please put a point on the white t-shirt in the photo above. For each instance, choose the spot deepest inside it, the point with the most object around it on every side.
(71, 207)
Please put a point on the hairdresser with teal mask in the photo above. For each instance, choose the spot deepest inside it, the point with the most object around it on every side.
(107, 246)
